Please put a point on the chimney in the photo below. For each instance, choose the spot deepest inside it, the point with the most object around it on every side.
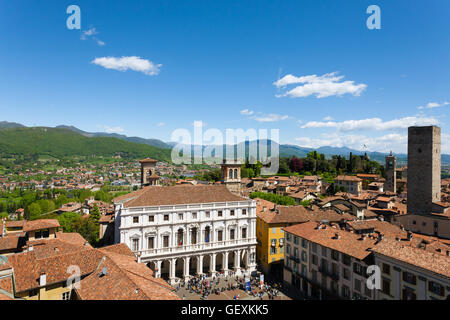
(265, 209)
(43, 280)
(337, 236)
(30, 247)
(409, 236)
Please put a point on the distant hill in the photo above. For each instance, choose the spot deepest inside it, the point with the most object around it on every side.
(286, 150)
(151, 142)
(58, 142)
(6, 124)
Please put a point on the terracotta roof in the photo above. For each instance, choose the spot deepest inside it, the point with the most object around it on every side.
(4, 296)
(347, 243)
(347, 178)
(419, 257)
(120, 248)
(148, 160)
(40, 224)
(299, 214)
(125, 279)
(341, 207)
(384, 199)
(9, 243)
(28, 267)
(182, 194)
(6, 284)
(71, 237)
(442, 204)
(106, 218)
(15, 224)
(383, 227)
(367, 175)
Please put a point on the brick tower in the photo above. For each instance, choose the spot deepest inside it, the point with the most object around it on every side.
(424, 168)
(391, 177)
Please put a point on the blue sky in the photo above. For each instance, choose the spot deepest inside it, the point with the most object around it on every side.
(227, 63)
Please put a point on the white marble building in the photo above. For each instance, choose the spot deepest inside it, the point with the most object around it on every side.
(184, 230)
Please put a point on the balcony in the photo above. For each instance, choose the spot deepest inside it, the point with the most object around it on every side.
(295, 258)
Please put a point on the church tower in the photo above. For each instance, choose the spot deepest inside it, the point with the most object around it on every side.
(391, 177)
(148, 172)
(231, 175)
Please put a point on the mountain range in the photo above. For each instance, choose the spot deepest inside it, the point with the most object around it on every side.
(95, 142)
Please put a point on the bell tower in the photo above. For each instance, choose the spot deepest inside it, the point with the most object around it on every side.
(231, 175)
(148, 172)
(391, 177)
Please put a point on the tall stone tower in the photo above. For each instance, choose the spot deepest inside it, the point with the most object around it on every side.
(231, 175)
(391, 177)
(148, 174)
(424, 168)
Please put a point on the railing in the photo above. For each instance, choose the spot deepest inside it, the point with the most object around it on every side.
(195, 247)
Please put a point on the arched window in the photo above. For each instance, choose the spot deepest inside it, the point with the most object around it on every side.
(230, 174)
(235, 173)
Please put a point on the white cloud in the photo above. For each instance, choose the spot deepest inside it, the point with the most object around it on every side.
(328, 118)
(431, 105)
(91, 33)
(373, 123)
(113, 129)
(321, 86)
(272, 117)
(161, 124)
(246, 112)
(129, 63)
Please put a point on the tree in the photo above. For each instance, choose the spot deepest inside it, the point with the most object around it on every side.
(296, 164)
(95, 215)
(33, 211)
(88, 229)
(67, 220)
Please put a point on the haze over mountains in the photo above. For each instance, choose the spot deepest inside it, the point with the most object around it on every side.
(25, 141)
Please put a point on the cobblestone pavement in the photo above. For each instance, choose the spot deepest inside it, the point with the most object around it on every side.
(184, 293)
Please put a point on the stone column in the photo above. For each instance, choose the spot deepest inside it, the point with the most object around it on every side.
(200, 265)
(237, 262)
(186, 267)
(158, 269)
(172, 270)
(225, 263)
(212, 264)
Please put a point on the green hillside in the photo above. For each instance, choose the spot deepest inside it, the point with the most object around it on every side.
(62, 143)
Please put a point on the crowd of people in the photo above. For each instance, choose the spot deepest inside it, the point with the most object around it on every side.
(205, 286)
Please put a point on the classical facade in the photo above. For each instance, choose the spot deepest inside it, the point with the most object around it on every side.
(185, 230)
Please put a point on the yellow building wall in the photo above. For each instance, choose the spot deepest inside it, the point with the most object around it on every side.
(52, 292)
(264, 235)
